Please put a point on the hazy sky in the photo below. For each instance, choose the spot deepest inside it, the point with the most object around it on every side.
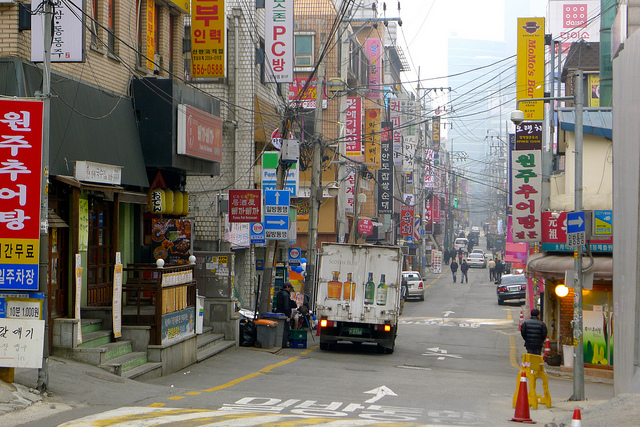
(427, 24)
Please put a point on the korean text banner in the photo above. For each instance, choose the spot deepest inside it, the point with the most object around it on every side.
(20, 178)
(353, 127)
(208, 30)
(526, 176)
(68, 41)
(372, 138)
(396, 119)
(151, 32)
(385, 173)
(278, 33)
(530, 64)
(373, 48)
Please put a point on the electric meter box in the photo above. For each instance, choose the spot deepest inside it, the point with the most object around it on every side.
(290, 150)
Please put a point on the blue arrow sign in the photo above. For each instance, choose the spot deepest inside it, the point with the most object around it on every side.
(276, 222)
(575, 222)
(276, 197)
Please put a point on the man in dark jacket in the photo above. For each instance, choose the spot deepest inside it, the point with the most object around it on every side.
(464, 268)
(497, 271)
(284, 304)
(454, 269)
(534, 333)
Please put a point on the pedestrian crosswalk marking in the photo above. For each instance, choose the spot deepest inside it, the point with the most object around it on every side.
(148, 416)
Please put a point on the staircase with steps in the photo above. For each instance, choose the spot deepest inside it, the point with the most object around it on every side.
(118, 357)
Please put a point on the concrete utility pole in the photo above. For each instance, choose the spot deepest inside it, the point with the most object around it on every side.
(43, 373)
(316, 188)
(342, 144)
(578, 355)
(272, 246)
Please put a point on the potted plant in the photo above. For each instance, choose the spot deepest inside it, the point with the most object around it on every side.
(567, 350)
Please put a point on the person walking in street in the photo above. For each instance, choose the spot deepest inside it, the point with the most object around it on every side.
(454, 269)
(492, 269)
(497, 271)
(464, 268)
(284, 304)
(534, 333)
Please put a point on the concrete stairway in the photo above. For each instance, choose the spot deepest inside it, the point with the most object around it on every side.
(116, 357)
(210, 344)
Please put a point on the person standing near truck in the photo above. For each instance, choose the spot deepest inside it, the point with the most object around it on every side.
(284, 305)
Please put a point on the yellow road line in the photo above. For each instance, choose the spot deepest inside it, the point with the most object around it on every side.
(254, 374)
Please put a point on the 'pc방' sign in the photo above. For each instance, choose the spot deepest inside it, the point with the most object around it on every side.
(20, 178)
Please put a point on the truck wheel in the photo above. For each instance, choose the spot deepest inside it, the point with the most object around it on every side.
(324, 346)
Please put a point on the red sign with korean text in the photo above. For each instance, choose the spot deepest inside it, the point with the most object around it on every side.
(245, 205)
(406, 220)
(526, 181)
(20, 191)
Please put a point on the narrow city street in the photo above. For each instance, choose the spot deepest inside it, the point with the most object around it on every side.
(455, 363)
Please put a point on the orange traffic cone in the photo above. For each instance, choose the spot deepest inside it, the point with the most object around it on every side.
(521, 320)
(577, 419)
(547, 348)
(522, 405)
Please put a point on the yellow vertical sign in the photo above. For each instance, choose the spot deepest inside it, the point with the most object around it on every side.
(372, 138)
(151, 32)
(208, 39)
(530, 75)
(594, 90)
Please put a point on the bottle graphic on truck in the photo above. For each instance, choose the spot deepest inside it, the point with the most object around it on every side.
(369, 290)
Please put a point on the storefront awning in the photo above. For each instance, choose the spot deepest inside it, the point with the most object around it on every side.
(86, 123)
(555, 266)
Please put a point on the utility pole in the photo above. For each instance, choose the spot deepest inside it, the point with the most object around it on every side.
(316, 187)
(43, 263)
(272, 246)
(578, 355)
(342, 144)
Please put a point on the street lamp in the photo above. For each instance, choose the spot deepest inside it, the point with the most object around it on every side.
(517, 117)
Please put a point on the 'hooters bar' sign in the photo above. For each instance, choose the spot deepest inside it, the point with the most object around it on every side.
(20, 180)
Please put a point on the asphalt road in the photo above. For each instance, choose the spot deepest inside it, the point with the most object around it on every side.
(455, 363)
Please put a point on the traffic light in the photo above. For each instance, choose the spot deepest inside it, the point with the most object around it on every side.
(455, 202)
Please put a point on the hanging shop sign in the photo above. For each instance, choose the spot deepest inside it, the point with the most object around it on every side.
(529, 136)
(245, 206)
(527, 182)
(208, 39)
(279, 58)
(151, 33)
(373, 49)
(435, 133)
(199, 134)
(372, 138)
(169, 202)
(396, 119)
(406, 220)
(530, 66)
(305, 99)
(353, 127)
(385, 173)
(20, 191)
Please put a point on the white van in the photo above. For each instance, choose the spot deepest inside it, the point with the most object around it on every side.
(461, 243)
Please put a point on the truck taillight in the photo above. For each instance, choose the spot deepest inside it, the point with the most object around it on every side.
(385, 328)
(421, 285)
(324, 323)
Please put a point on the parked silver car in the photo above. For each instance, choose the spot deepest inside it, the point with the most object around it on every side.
(415, 285)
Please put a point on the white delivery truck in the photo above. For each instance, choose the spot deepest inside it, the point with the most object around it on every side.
(358, 294)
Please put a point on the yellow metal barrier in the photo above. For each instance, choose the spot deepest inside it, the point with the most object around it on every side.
(533, 367)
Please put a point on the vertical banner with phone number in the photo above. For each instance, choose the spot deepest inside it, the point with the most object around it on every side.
(208, 30)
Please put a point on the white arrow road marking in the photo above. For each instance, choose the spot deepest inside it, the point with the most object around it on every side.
(441, 353)
(379, 392)
(447, 313)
